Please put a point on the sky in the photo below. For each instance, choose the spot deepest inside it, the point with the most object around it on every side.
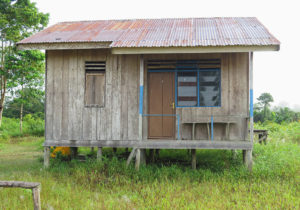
(277, 73)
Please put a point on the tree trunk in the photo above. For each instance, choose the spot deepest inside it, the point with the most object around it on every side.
(3, 90)
(1, 111)
(21, 119)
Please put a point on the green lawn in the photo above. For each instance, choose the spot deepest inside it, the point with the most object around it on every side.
(220, 182)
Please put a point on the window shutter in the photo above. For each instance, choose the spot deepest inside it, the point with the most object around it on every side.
(95, 83)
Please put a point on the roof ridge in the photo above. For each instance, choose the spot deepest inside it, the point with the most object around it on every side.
(143, 19)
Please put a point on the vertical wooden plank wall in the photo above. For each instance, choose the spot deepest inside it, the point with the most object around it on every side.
(67, 118)
(234, 96)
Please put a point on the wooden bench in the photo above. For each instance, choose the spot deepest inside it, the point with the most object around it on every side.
(227, 120)
(262, 135)
(34, 186)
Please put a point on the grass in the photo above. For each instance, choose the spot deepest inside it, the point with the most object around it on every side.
(220, 181)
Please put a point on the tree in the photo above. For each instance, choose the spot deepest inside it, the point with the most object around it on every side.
(18, 20)
(27, 69)
(33, 100)
(264, 100)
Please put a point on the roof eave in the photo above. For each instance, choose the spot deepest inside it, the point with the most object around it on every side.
(201, 49)
(63, 45)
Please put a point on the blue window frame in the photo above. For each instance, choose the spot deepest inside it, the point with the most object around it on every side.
(197, 82)
(198, 88)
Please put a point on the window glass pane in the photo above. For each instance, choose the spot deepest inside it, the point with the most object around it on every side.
(187, 89)
(210, 92)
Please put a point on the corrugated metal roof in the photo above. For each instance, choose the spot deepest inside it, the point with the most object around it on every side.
(184, 32)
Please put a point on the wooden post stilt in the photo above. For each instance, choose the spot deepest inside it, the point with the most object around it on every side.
(247, 154)
(46, 157)
(74, 152)
(152, 155)
(36, 198)
(131, 155)
(99, 154)
(247, 158)
(194, 160)
(138, 159)
(234, 153)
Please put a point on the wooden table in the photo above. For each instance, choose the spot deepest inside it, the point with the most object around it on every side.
(262, 135)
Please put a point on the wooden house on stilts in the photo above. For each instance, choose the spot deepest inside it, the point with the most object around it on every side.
(151, 83)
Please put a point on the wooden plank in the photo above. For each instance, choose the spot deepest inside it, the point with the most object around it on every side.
(124, 99)
(57, 103)
(116, 97)
(79, 97)
(65, 96)
(161, 144)
(168, 102)
(131, 155)
(194, 159)
(26, 185)
(46, 156)
(87, 123)
(108, 97)
(49, 95)
(99, 154)
(132, 97)
(89, 95)
(155, 123)
(188, 50)
(72, 87)
(36, 198)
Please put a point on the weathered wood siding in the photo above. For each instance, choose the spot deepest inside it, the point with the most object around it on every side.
(67, 118)
(234, 97)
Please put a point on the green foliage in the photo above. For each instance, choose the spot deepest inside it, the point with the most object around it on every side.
(220, 181)
(262, 111)
(31, 127)
(281, 132)
(32, 100)
(19, 69)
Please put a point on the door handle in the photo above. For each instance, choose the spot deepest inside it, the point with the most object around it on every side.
(172, 105)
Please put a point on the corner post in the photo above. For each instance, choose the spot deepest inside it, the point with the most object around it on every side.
(140, 154)
(46, 157)
(247, 154)
(251, 94)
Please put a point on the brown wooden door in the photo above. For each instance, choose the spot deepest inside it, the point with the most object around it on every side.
(161, 102)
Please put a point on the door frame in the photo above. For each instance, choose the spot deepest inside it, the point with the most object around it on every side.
(148, 106)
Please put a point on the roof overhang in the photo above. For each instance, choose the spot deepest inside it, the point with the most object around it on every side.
(64, 46)
(145, 50)
(208, 49)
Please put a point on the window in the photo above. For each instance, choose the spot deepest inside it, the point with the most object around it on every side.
(187, 89)
(198, 82)
(209, 88)
(199, 88)
(95, 83)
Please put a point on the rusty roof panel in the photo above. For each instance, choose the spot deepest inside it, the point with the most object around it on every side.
(185, 32)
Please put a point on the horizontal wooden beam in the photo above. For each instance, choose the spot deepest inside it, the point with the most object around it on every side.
(26, 185)
(156, 144)
(208, 49)
(64, 46)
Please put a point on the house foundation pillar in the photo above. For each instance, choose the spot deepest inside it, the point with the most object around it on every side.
(247, 158)
(46, 157)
